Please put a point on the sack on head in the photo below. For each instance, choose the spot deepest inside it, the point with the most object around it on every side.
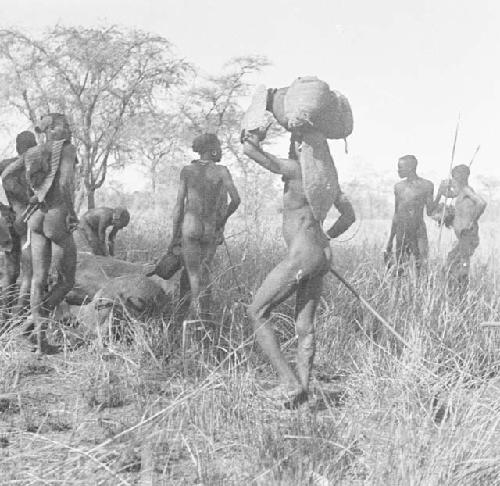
(309, 102)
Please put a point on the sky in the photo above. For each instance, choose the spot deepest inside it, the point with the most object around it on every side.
(408, 67)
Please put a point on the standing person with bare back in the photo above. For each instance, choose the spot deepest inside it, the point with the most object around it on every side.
(197, 223)
(412, 195)
(50, 171)
(308, 257)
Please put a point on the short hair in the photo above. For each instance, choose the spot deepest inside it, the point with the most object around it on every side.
(411, 160)
(461, 171)
(205, 142)
(24, 141)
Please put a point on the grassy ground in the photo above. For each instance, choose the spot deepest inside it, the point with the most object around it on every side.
(155, 412)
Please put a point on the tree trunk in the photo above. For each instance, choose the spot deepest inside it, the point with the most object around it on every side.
(91, 198)
(153, 181)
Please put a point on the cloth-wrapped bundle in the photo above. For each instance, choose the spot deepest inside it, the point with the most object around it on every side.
(309, 102)
(319, 175)
(42, 165)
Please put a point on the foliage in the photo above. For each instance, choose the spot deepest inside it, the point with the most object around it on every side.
(98, 77)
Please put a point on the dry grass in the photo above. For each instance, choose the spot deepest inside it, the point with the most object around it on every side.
(149, 413)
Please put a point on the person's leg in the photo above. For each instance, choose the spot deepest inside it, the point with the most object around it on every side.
(64, 264)
(453, 267)
(207, 255)
(308, 294)
(23, 299)
(191, 254)
(277, 287)
(41, 257)
(402, 253)
(182, 309)
(467, 244)
(11, 273)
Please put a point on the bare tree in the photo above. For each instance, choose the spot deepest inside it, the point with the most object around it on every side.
(98, 77)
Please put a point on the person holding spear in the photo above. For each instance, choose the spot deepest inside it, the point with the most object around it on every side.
(469, 206)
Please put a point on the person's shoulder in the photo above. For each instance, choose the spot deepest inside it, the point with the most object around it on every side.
(399, 185)
(222, 169)
(426, 183)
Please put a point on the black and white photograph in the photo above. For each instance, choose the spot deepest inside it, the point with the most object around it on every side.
(249, 243)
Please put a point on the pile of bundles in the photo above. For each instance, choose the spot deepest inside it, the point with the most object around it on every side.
(313, 113)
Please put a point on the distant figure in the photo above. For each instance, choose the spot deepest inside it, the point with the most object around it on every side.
(301, 272)
(469, 207)
(412, 195)
(18, 257)
(94, 224)
(198, 222)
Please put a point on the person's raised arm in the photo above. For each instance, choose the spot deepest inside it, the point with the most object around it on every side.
(252, 149)
(233, 194)
(178, 212)
(346, 218)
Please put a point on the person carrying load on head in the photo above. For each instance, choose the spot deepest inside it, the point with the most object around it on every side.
(412, 195)
(199, 217)
(310, 189)
(94, 224)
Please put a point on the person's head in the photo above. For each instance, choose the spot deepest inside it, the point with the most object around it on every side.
(295, 146)
(460, 176)
(407, 166)
(24, 141)
(208, 146)
(55, 126)
(121, 217)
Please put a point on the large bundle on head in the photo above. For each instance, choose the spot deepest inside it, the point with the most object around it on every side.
(309, 102)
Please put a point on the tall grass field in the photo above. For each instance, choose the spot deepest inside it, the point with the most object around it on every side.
(160, 409)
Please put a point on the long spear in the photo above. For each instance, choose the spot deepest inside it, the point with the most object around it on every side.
(474, 156)
(369, 307)
(449, 176)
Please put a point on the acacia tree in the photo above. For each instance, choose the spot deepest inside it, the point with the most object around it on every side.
(155, 142)
(98, 77)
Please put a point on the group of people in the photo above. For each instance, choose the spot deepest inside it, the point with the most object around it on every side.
(413, 195)
(198, 225)
(38, 242)
(39, 185)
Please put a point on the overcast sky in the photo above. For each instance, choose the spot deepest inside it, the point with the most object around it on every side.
(408, 67)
